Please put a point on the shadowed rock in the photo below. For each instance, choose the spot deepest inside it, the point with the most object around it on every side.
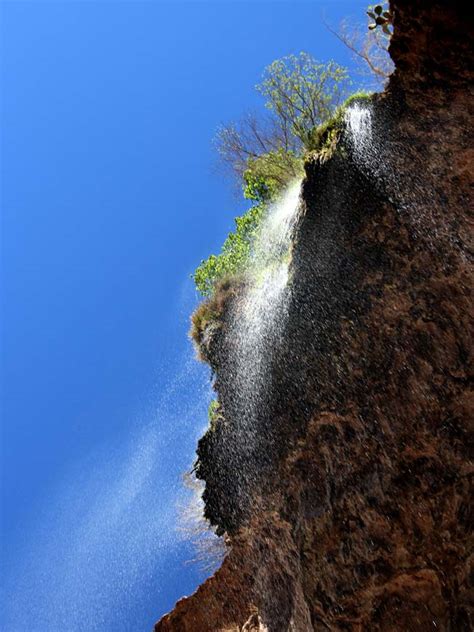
(354, 512)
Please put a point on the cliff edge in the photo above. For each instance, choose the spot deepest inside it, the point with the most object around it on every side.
(357, 513)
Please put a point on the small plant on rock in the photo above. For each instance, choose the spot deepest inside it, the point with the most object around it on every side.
(215, 414)
(381, 17)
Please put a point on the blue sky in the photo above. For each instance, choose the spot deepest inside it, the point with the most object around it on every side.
(109, 200)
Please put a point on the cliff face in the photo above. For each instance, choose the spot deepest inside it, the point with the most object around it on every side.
(356, 514)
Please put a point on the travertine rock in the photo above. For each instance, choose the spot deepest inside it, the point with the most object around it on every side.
(359, 516)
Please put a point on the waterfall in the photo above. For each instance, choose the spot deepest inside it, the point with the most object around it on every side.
(375, 150)
(260, 316)
(106, 541)
(359, 125)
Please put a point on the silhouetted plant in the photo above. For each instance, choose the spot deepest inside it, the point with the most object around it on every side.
(381, 16)
(369, 46)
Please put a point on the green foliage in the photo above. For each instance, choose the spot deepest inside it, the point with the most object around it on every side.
(234, 255)
(214, 414)
(381, 16)
(303, 96)
(268, 174)
(325, 137)
(263, 180)
(303, 93)
(357, 97)
(324, 133)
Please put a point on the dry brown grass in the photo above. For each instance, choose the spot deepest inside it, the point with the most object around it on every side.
(209, 549)
(210, 313)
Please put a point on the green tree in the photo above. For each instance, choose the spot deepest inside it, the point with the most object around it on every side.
(303, 93)
(234, 255)
(266, 152)
(300, 93)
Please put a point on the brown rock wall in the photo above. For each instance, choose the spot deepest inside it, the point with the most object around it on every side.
(362, 518)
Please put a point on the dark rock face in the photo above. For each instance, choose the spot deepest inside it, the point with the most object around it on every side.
(360, 516)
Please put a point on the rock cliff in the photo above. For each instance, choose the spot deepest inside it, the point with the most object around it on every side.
(357, 514)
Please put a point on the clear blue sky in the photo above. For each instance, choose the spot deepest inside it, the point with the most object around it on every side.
(109, 200)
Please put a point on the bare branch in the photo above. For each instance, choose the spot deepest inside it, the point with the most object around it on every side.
(300, 94)
(369, 47)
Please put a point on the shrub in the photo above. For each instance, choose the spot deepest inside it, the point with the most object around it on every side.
(207, 318)
(234, 254)
(201, 317)
(267, 175)
(325, 137)
(214, 414)
(303, 97)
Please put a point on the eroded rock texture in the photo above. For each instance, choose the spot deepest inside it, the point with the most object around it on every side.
(358, 516)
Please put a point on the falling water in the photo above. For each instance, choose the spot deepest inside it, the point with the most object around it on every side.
(261, 314)
(359, 125)
(375, 150)
(371, 152)
(106, 543)
(263, 305)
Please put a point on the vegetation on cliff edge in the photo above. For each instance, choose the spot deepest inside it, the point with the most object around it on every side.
(266, 154)
(305, 103)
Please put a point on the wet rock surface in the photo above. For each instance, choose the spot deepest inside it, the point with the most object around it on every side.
(354, 513)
